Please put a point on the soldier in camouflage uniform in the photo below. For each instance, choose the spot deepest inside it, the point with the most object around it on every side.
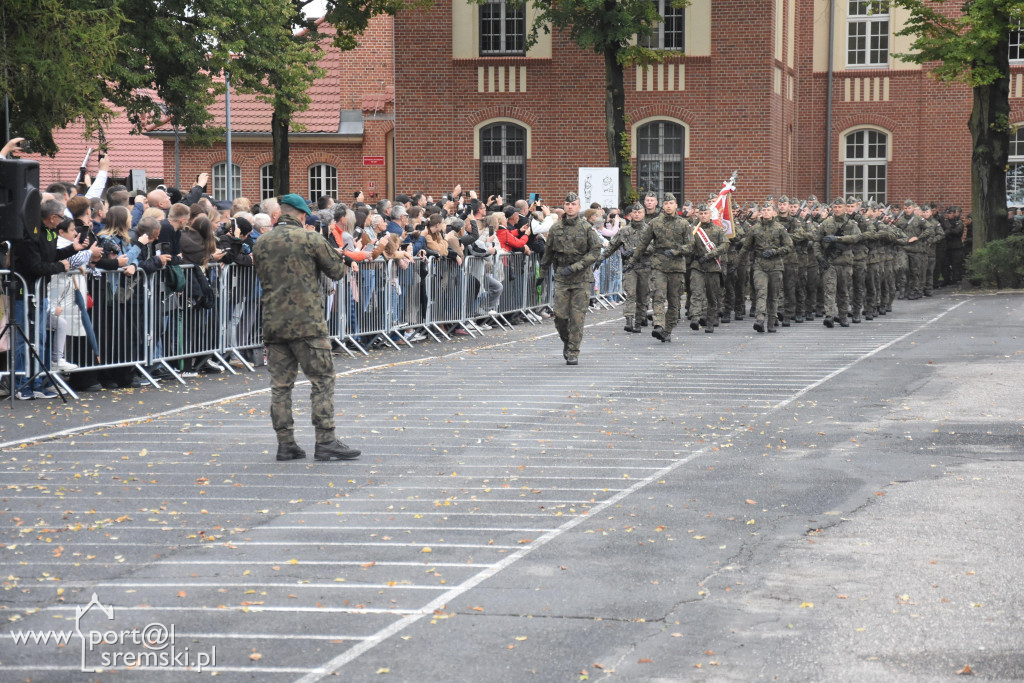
(769, 243)
(874, 239)
(859, 259)
(792, 286)
(836, 237)
(573, 247)
(734, 299)
(936, 237)
(288, 261)
(954, 248)
(706, 271)
(635, 280)
(912, 225)
(669, 234)
(808, 266)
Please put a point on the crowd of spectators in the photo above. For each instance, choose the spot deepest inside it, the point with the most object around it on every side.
(97, 238)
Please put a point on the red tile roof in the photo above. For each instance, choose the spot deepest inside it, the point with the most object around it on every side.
(127, 152)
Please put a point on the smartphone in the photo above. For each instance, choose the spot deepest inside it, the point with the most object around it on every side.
(534, 197)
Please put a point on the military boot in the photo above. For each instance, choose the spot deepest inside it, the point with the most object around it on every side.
(629, 324)
(856, 319)
(658, 332)
(572, 359)
(785, 322)
(695, 324)
(726, 317)
(844, 322)
(334, 450)
(290, 451)
(828, 321)
(759, 326)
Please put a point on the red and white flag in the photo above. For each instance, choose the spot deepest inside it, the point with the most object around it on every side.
(721, 208)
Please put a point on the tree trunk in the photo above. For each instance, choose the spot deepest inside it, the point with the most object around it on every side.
(279, 124)
(990, 135)
(615, 120)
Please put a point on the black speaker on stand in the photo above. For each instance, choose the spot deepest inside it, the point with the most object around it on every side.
(19, 218)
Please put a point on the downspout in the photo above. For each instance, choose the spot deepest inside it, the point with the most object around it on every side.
(828, 104)
(227, 117)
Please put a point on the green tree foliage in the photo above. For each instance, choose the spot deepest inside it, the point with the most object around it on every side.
(969, 43)
(609, 28)
(56, 56)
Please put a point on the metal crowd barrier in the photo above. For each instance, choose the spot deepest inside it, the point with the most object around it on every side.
(10, 286)
(114, 320)
(608, 281)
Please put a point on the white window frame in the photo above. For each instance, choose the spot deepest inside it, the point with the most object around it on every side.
(1016, 45)
(656, 41)
(662, 157)
(323, 180)
(1015, 163)
(266, 175)
(869, 19)
(867, 164)
(509, 44)
(219, 178)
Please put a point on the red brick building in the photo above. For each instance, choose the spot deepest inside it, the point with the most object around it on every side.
(473, 106)
(346, 140)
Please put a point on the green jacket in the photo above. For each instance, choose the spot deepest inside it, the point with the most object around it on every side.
(628, 239)
(575, 244)
(767, 235)
(288, 261)
(721, 250)
(847, 234)
(913, 226)
(669, 235)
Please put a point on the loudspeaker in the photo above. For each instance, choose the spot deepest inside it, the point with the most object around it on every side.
(19, 198)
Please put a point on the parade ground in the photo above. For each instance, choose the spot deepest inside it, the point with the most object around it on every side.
(813, 505)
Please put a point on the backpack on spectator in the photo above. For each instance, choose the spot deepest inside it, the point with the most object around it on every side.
(202, 292)
(174, 279)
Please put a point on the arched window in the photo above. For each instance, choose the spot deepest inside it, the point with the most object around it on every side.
(865, 167)
(323, 180)
(503, 161)
(220, 181)
(1015, 166)
(659, 157)
(266, 181)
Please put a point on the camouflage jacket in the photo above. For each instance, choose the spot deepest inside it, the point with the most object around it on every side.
(767, 235)
(795, 228)
(574, 244)
(628, 238)
(288, 261)
(846, 233)
(913, 226)
(669, 235)
(721, 242)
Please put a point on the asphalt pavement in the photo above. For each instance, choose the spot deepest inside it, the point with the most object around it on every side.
(813, 505)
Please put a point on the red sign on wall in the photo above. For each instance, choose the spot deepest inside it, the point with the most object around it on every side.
(373, 161)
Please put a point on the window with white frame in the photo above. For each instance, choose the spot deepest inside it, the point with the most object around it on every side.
(503, 161)
(867, 33)
(671, 31)
(1016, 47)
(502, 28)
(220, 181)
(266, 181)
(1015, 165)
(865, 168)
(323, 180)
(660, 149)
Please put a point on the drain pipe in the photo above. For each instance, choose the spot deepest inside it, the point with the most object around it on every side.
(828, 106)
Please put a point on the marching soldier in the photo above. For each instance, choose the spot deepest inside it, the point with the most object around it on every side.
(917, 259)
(836, 235)
(669, 234)
(769, 243)
(573, 247)
(709, 245)
(635, 279)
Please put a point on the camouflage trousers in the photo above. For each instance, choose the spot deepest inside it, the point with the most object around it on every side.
(812, 284)
(792, 289)
(636, 283)
(668, 288)
(707, 295)
(929, 272)
(283, 362)
(736, 287)
(569, 307)
(900, 270)
(837, 285)
(767, 285)
(860, 275)
(874, 288)
(917, 265)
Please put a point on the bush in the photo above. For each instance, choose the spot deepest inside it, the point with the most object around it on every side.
(998, 264)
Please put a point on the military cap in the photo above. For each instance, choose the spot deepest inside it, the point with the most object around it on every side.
(783, 199)
(874, 205)
(702, 207)
(687, 203)
(933, 206)
(296, 202)
(838, 201)
(636, 207)
(650, 193)
(571, 197)
(669, 197)
(769, 198)
(222, 205)
(768, 205)
(813, 199)
(909, 202)
(852, 200)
